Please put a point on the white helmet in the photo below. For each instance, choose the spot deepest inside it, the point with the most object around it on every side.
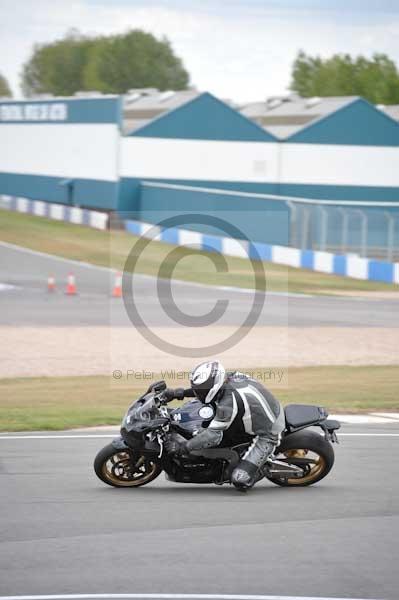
(206, 380)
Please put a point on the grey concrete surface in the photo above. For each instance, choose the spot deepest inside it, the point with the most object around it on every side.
(63, 531)
(30, 304)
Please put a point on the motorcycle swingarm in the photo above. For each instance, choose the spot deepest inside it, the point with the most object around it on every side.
(278, 467)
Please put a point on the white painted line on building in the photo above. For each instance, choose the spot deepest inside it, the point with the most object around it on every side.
(168, 597)
(221, 192)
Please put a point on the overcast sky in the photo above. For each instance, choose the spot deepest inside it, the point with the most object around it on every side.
(238, 49)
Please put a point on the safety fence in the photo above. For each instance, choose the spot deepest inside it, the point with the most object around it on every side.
(349, 265)
(58, 212)
(367, 228)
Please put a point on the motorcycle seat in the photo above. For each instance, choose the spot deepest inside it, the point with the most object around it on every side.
(299, 415)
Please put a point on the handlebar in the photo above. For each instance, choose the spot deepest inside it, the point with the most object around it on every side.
(169, 395)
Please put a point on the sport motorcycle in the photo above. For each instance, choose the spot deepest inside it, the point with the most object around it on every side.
(304, 456)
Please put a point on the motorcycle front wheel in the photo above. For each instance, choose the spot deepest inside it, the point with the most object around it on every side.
(308, 450)
(123, 468)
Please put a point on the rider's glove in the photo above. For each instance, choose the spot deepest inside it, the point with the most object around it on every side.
(169, 394)
(172, 394)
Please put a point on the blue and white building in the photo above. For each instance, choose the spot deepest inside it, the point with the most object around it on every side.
(151, 153)
(62, 150)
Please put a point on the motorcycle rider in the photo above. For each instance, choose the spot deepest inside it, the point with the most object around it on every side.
(244, 410)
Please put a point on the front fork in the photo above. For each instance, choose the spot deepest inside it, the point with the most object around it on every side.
(120, 444)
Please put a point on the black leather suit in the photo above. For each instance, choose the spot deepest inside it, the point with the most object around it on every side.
(245, 410)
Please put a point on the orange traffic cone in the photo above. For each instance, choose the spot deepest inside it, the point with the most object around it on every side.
(117, 291)
(51, 284)
(71, 285)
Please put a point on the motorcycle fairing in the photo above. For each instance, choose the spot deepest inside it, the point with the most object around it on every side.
(188, 417)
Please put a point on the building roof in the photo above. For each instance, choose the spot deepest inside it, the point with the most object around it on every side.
(204, 117)
(391, 110)
(358, 123)
(141, 106)
(285, 115)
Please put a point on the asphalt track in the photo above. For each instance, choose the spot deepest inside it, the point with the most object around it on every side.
(24, 299)
(64, 532)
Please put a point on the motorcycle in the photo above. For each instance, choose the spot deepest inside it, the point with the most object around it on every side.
(138, 456)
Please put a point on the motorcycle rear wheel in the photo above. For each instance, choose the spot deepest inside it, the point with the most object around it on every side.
(305, 445)
(123, 468)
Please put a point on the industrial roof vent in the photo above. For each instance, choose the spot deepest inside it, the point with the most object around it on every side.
(310, 102)
(143, 91)
(42, 96)
(88, 94)
(132, 98)
(164, 96)
(273, 103)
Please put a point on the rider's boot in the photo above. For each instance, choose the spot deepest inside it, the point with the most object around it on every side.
(244, 476)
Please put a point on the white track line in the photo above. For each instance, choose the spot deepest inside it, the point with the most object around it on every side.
(79, 263)
(143, 275)
(5, 287)
(368, 434)
(56, 437)
(167, 597)
(115, 435)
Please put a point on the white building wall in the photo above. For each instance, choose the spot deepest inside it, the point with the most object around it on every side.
(339, 165)
(311, 164)
(198, 159)
(87, 150)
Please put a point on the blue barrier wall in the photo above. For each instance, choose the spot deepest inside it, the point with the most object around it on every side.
(325, 262)
(258, 220)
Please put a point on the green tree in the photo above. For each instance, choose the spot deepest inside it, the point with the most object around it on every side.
(4, 87)
(57, 68)
(376, 79)
(111, 64)
(133, 60)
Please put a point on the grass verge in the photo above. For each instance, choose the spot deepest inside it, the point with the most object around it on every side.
(110, 249)
(67, 402)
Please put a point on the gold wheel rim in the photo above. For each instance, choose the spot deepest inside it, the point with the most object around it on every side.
(317, 468)
(118, 462)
